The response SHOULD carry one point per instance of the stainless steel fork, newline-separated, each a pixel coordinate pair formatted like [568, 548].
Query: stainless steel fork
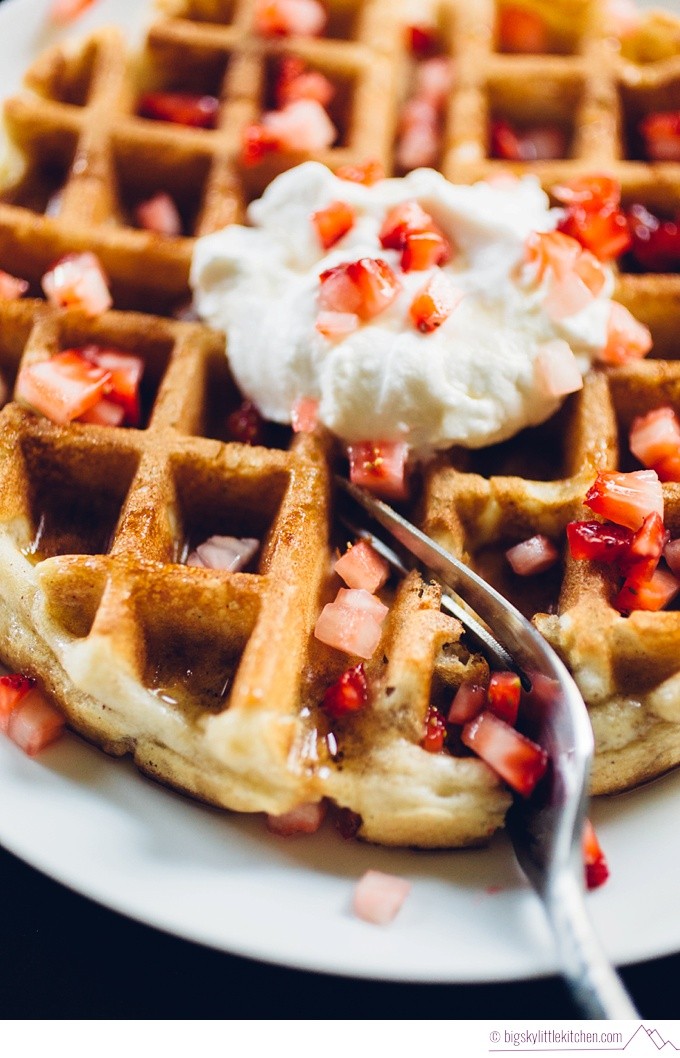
[546, 829]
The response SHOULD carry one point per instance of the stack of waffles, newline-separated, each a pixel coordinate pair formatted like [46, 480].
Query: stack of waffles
[213, 680]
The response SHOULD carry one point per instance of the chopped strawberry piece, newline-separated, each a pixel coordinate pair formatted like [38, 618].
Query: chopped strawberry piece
[379, 467]
[12, 689]
[78, 281]
[626, 499]
[655, 242]
[422, 39]
[434, 79]
[503, 696]
[556, 369]
[104, 413]
[661, 135]
[337, 324]
[435, 731]
[348, 628]
[468, 702]
[289, 18]
[349, 693]
[434, 303]
[627, 338]
[11, 287]
[647, 594]
[594, 861]
[366, 173]
[518, 760]
[34, 723]
[63, 11]
[360, 599]
[646, 547]
[302, 125]
[533, 143]
[592, 193]
[256, 143]
[365, 287]
[532, 556]
[598, 542]
[521, 31]
[655, 436]
[418, 144]
[575, 276]
[671, 553]
[605, 233]
[333, 222]
[668, 467]
[378, 897]
[423, 250]
[295, 81]
[304, 819]
[362, 567]
[245, 425]
[180, 108]
[305, 415]
[159, 214]
[126, 372]
[231, 553]
[63, 387]
[404, 219]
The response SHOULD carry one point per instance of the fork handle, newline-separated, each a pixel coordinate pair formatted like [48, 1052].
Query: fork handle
[593, 982]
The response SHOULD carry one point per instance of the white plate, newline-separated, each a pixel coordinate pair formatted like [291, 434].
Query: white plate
[99, 827]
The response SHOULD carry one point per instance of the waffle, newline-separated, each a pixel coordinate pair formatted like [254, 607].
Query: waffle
[107, 614]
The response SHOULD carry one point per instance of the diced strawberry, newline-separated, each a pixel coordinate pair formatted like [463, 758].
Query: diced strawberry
[627, 338]
[421, 39]
[63, 387]
[605, 233]
[434, 303]
[646, 547]
[63, 11]
[379, 467]
[671, 553]
[378, 897]
[656, 242]
[12, 689]
[349, 693]
[402, 220]
[423, 250]
[366, 173]
[468, 702]
[530, 144]
[256, 143]
[333, 222]
[126, 372]
[365, 287]
[594, 193]
[594, 860]
[230, 553]
[304, 819]
[34, 723]
[180, 108]
[655, 435]
[302, 125]
[295, 81]
[532, 556]
[521, 31]
[661, 135]
[245, 425]
[336, 324]
[159, 214]
[305, 415]
[556, 369]
[435, 731]
[668, 467]
[518, 760]
[503, 696]
[360, 599]
[104, 413]
[289, 18]
[575, 276]
[349, 629]
[362, 567]
[626, 499]
[598, 541]
[418, 144]
[433, 80]
[647, 594]
[78, 281]
[11, 287]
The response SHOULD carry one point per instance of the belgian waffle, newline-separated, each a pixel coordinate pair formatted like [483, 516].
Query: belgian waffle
[106, 613]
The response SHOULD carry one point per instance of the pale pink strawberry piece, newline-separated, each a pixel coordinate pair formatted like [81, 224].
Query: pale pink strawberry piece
[231, 553]
[289, 18]
[534, 555]
[518, 760]
[379, 467]
[434, 303]
[104, 413]
[337, 324]
[651, 594]
[529, 144]
[655, 436]
[468, 702]
[159, 214]
[300, 126]
[671, 553]
[305, 415]
[367, 173]
[365, 287]
[418, 144]
[11, 287]
[78, 281]
[360, 599]
[348, 628]
[13, 688]
[378, 897]
[63, 387]
[626, 499]
[304, 819]
[575, 275]
[627, 338]
[362, 567]
[556, 369]
[34, 723]
[434, 80]
[63, 11]
[661, 133]
[296, 81]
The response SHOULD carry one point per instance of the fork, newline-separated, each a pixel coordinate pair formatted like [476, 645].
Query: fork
[546, 829]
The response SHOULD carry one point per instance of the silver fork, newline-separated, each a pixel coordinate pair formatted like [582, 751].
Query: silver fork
[546, 829]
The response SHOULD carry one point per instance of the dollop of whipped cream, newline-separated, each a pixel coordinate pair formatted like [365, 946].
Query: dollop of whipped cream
[473, 382]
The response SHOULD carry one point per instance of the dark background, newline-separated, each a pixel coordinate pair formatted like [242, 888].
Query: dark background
[62, 956]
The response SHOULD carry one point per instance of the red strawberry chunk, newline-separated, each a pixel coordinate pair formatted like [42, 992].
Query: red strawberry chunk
[647, 594]
[303, 819]
[12, 689]
[434, 303]
[362, 567]
[63, 387]
[289, 18]
[159, 214]
[180, 108]
[407, 227]
[605, 233]
[574, 275]
[423, 250]
[78, 281]
[422, 39]
[661, 135]
[655, 436]
[245, 424]
[627, 338]
[379, 467]
[11, 287]
[626, 499]
[594, 860]
[366, 173]
[257, 142]
[593, 193]
[530, 144]
[503, 696]
[647, 546]
[655, 242]
[126, 372]
[598, 541]
[532, 556]
[378, 897]
[34, 723]
[518, 760]
[403, 219]
[302, 125]
[468, 702]
[349, 693]
[365, 287]
[333, 222]
[435, 731]
[296, 81]
[520, 31]
[668, 467]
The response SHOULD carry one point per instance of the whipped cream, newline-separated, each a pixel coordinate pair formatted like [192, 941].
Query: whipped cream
[471, 382]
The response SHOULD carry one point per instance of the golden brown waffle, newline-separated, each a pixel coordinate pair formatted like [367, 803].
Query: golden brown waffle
[262, 743]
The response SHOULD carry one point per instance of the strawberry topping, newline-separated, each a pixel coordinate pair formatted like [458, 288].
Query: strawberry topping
[362, 567]
[520, 31]
[594, 217]
[296, 81]
[245, 424]
[518, 760]
[435, 731]
[532, 556]
[289, 18]
[661, 135]
[180, 108]
[655, 441]
[366, 173]
[434, 303]
[655, 242]
[626, 499]
[349, 694]
[594, 861]
[333, 222]
[379, 467]
[502, 696]
[365, 287]
[533, 143]
[78, 281]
